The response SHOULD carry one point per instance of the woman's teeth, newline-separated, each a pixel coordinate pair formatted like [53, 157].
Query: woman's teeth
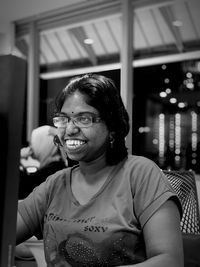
[74, 143]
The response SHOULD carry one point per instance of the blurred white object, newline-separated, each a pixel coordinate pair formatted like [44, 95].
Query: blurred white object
[37, 249]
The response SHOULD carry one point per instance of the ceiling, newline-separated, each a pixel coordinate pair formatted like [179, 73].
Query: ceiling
[19, 9]
[160, 28]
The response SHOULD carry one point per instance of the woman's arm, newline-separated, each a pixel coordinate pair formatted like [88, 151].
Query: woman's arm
[22, 231]
[163, 238]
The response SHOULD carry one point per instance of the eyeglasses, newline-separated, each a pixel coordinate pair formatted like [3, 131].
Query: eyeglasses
[82, 121]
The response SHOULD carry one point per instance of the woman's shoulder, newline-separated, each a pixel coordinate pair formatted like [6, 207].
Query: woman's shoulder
[140, 162]
[58, 181]
[140, 169]
[59, 175]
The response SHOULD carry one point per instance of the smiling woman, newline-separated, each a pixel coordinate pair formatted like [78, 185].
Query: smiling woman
[86, 139]
[100, 99]
[111, 209]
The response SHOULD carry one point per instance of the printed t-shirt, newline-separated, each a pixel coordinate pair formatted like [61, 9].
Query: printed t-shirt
[106, 231]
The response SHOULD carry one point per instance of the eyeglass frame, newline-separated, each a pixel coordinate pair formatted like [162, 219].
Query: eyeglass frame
[94, 118]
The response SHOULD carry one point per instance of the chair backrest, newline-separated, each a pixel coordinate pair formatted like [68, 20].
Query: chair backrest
[184, 184]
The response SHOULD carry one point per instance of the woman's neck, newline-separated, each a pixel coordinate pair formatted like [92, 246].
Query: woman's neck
[97, 167]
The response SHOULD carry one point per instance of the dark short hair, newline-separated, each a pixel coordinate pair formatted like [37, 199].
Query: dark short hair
[102, 94]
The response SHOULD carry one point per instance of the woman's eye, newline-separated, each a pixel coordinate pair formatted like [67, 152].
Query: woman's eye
[84, 119]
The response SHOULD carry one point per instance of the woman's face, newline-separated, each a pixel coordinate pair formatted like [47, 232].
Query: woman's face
[83, 144]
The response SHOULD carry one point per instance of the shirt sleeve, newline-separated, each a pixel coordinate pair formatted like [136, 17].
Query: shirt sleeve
[152, 190]
[34, 207]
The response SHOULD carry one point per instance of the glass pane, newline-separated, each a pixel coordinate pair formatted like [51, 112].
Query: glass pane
[166, 114]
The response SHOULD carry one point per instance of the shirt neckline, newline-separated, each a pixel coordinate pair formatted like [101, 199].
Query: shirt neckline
[107, 181]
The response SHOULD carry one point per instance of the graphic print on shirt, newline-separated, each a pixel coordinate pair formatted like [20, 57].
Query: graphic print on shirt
[85, 242]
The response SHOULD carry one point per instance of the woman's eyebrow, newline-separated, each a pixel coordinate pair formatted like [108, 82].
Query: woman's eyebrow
[78, 113]
[60, 114]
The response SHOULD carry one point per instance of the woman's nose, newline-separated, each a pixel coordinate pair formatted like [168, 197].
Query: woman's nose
[71, 128]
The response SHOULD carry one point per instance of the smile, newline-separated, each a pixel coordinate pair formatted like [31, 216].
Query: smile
[73, 144]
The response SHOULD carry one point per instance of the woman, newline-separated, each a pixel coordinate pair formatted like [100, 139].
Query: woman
[112, 209]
